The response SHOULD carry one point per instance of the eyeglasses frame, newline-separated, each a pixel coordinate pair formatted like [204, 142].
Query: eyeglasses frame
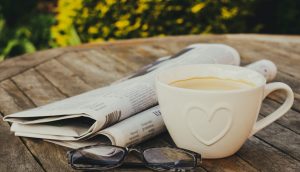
[140, 151]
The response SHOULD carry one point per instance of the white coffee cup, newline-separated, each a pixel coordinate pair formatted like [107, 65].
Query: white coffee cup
[215, 123]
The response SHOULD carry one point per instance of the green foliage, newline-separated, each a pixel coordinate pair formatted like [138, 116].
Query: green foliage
[23, 29]
[96, 20]
[18, 43]
[275, 16]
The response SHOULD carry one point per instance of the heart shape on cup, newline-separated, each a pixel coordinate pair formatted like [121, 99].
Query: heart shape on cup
[209, 126]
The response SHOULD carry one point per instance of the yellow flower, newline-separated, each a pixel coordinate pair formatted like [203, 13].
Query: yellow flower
[125, 17]
[110, 2]
[144, 1]
[76, 3]
[103, 8]
[54, 31]
[144, 34]
[227, 14]
[118, 33]
[142, 7]
[136, 25]
[105, 31]
[66, 11]
[70, 12]
[92, 30]
[144, 27]
[64, 19]
[122, 24]
[85, 13]
[98, 40]
[179, 21]
[99, 6]
[61, 40]
[63, 26]
[196, 8]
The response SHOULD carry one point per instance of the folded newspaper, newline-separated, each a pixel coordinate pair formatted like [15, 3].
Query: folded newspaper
[123, 113]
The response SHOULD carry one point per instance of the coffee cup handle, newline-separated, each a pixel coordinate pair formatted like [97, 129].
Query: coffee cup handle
[280, 111]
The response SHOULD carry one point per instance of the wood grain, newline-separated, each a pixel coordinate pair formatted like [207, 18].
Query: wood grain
[14, 154]
[37, 88]
[61, 77]
[294, 83]
[11, 67]
[282, 138]
[264, 157]
[85, 69]
[43, 77]
[108, 63]
[16, 97]
[12, 99]
[51, 157]
[233, 163]
[290, 120]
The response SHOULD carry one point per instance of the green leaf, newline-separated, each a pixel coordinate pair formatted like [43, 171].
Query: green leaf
[28, 46]
[9, 46]
[24, 46]
[74, 39]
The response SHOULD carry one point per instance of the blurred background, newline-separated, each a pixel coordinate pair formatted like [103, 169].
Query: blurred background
[31, 25]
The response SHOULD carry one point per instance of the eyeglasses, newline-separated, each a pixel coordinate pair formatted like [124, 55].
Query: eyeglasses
[104, 157]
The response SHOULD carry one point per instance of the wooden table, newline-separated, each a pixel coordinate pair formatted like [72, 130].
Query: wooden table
[36, 79]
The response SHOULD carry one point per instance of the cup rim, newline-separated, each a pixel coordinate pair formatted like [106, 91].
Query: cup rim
[158, 79]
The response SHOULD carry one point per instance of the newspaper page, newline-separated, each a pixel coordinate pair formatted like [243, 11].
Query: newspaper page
[148, 123]
[130, 131]
[82, 116]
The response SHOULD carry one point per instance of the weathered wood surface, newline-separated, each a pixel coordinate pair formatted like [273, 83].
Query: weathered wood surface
[36, 79]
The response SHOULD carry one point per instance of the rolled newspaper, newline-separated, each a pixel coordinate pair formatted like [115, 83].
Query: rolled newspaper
[83, 116]
[265, 67]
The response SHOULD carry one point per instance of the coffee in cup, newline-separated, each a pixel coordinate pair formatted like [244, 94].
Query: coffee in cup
[212, 109]
[211, 83]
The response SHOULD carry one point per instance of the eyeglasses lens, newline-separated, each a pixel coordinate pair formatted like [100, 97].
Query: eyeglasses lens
[169, 158]
[98, 156]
